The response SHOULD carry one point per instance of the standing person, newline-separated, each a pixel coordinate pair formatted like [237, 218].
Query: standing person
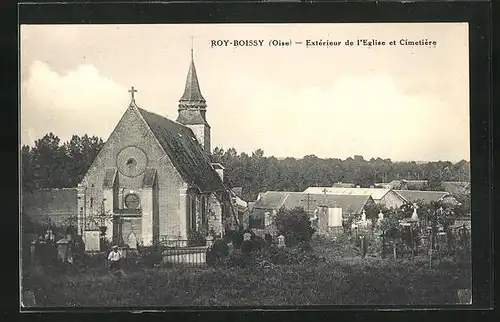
[114, 258]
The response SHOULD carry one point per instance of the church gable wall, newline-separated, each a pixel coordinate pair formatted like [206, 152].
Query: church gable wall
[132, 131]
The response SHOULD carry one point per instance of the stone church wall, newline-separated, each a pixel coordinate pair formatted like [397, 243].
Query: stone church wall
[132, 131]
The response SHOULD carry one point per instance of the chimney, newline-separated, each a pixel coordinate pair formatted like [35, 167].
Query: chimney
[219, 169]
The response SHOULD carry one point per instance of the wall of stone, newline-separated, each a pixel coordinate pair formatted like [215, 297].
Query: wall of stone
[131, 130]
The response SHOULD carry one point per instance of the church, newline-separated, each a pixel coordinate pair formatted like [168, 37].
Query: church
[154, 179]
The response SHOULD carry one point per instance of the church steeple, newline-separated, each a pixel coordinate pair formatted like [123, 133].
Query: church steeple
[192, 108]
[192, 97]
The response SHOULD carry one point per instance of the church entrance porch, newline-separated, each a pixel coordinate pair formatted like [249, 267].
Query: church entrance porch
[127, 231]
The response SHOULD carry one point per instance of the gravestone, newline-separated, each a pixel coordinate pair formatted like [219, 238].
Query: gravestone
[92, 241]
[132, 241]
[281, 241]
[380, 217]
[247, 236]
[210, 241]
[62, 250]
[268, 238]
[246, 246]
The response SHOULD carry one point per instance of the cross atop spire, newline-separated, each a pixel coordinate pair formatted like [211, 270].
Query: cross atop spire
[192, 47]
[132, 91]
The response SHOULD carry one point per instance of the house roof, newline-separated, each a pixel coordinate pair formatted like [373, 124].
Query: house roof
[343, 185]
[277, 199]
[456, 187]
[427, 196]
[376, 193]
[453, 187]
[182, 147]
[270, 199]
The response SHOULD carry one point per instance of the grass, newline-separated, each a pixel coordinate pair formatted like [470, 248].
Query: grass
[367, 282]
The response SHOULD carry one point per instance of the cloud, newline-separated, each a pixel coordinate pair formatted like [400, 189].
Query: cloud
[78, 101]
[370, 116]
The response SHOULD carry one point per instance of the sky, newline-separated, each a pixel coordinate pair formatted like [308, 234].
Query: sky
[398, 102]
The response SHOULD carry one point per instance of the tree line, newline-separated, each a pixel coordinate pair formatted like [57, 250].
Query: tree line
[257, 173]
[50, 163]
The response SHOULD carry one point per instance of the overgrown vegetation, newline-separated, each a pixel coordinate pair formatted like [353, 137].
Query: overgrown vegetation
[367, 283]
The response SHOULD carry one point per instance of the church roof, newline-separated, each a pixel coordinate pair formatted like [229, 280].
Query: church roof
[192, 94]
[182, 147]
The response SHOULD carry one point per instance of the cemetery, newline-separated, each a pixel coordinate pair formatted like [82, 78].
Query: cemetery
[381, 261]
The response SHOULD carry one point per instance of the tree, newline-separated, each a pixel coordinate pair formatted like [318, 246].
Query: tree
[294, 225]
[48, 163]
[80, 152]
[27, 177]
[435, 182]
[51, 165]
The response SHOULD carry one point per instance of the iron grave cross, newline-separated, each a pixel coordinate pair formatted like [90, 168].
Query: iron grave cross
[308, 200]
[132, 91]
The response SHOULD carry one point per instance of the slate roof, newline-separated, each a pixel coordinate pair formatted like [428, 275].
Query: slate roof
[192, 94]
[376, 193]
[456, 187]
[270, 199]
[187, 155]
[277, 199]
[426, 196]
[343, 185]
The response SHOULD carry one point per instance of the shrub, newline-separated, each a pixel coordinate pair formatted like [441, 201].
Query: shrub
[196, 238]
[151, 256]
[286, 255]
[237, 239]
[218, 252]
[294, 225]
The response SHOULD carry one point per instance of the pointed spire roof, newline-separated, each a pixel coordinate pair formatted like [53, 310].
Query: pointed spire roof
[192, 97]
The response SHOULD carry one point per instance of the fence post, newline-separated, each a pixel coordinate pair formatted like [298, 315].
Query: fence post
[363, 251]
[394, 249]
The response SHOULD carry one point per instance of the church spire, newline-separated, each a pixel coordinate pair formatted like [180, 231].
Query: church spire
[192, 97]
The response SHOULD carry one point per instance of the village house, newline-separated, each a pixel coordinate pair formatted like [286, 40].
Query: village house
[427, 196]
[327, 210]
[452, 187]
[153, 180]
[386, 197]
